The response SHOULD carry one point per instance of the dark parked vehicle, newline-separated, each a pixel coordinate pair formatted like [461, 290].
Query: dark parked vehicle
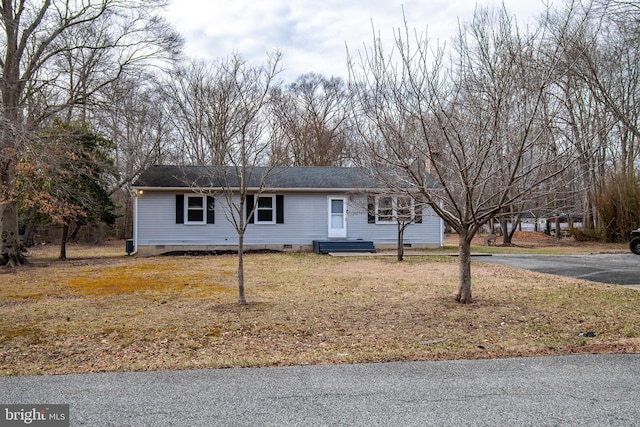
[634, 243]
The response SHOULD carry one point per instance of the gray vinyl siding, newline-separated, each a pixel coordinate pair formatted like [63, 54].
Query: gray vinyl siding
[305, 220]
[430, 231]
[157, 223]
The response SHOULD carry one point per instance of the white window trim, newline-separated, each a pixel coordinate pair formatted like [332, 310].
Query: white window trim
[186, 209]
[273, 209]
[394, 208]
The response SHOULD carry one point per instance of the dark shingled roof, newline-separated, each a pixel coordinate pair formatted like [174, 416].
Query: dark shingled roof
[312, 177]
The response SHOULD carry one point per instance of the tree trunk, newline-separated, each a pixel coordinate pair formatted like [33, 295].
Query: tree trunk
[63, 242]
[508, 235]
[464, 291]
[10, 248]
[587, 216]
[29, 236]
[11, 87]
[400, 242]
[241, 298]
[73, 235]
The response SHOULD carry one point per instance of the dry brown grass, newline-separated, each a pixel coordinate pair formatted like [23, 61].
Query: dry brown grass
[102, 311]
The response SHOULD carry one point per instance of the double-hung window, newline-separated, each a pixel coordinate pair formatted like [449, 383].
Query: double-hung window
[393, 209]
[195, 209]
[266, 210]
[384, 209]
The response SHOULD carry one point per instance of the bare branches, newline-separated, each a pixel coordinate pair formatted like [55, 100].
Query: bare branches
[56, 55]
[221, 115]
[313, 117]
[477, 123]
[598, 91]
[220, 111]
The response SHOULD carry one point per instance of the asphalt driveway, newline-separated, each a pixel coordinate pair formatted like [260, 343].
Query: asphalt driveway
[615, 269]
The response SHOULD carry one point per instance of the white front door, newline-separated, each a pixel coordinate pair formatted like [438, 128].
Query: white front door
[337, 217]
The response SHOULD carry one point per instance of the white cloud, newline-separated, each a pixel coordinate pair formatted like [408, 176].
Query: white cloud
[312, 35]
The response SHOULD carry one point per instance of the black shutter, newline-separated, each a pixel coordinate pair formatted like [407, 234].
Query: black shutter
[371, 209]
[249, 208]
[279, 209]
[179, 208]
[211, 213]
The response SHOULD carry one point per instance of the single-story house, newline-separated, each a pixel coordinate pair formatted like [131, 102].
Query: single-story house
[181, 208]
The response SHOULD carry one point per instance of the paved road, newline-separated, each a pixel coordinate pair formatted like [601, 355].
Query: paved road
[617, 269]
[585, 390]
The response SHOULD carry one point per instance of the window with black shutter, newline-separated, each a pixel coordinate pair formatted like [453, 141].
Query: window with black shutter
[195, 209]
[268, 209]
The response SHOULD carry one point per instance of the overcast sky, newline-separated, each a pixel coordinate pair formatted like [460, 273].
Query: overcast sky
[312, 34]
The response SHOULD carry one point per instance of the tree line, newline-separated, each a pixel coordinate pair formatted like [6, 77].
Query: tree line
[510, 119]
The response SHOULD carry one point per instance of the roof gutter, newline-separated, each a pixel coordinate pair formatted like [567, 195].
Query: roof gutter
[265, 189]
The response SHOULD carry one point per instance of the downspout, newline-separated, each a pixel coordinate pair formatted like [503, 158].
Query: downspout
[442, 227]
[135, 223]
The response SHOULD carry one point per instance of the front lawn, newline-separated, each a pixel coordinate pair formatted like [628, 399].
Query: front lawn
[103, 311]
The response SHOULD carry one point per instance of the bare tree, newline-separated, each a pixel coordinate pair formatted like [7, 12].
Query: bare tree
[38, 39]
[599, 89]
[402, 209]
[204, 98]
[133, 113]
[312, 115]
[611, 73]
[232, 145]
[478, 123]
